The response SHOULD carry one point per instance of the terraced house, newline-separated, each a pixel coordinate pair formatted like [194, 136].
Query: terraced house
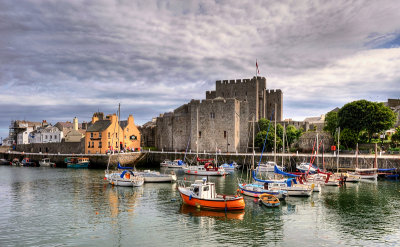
[108, 133]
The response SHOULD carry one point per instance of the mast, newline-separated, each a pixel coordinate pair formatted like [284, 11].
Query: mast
[357, 156]
[316, 152]
[283, 148]
[119, 125]
[337, 159]
[275, 137]
[376, 157]
[323, 161]
[252, 161]
[197, 135]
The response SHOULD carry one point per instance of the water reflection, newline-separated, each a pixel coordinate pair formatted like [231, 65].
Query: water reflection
[220, 215]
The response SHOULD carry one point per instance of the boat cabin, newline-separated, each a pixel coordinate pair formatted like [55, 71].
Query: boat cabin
[203, 189]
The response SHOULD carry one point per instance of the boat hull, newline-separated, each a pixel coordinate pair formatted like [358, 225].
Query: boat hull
[204, 173]
[84, 165]
[256, 192]
[163, 179]
[235, 203]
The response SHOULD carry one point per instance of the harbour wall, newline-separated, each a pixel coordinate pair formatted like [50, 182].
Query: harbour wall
[346, 161]
[96, 160]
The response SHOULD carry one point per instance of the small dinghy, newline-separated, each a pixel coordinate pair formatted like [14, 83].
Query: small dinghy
[269, 200]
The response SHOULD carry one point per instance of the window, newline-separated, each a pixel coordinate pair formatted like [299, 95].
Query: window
[99, 144]
[55, 137]
[116, 135]
[212, 115]
[51, 137]
[225, 134]
[108, 136]
[109, 145]
[206, 188]
[88, 145]
[92, 144]
[99, 135]
[45, 137]
[116, 144]
[199, 134]
[91, 135]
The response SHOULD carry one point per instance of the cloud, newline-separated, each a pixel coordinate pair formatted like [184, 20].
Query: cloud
[157, 55]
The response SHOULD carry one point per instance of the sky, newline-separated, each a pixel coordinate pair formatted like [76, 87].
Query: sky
[61, 59]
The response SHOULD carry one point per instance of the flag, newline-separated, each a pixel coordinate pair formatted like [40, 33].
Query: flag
[258, 71]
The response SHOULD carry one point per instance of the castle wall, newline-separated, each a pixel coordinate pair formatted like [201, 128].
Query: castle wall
[274, 96]
[218, 125]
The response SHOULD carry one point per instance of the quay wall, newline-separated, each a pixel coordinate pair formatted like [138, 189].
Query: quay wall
[346, 161]
[96, 160]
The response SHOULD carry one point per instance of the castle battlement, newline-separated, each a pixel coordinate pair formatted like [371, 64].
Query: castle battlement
[273, 91]
[237, 81]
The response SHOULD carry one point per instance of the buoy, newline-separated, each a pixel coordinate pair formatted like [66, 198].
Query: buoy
[105, 178]
[241, 191]
[184, 178]
[97, 212]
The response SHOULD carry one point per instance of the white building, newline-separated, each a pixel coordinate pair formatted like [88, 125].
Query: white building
[23, 137]
[46, 135]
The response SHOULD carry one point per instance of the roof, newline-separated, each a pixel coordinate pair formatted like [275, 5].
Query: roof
[68, 125]
[100, 125]
[123, 124]
[73, 133]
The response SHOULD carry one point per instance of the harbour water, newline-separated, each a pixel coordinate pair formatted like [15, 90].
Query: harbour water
[67, 207]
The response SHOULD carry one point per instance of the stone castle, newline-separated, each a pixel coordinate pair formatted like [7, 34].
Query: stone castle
[220, 122]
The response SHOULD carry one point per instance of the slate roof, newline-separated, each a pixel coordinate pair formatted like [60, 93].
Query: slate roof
[123, 124]
[99, 126]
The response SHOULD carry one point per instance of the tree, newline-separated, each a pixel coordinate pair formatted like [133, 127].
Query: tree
[348, 138]
[331, 122]
[379, 118]
[292, 134]
[363, 115]
[353, 115]
[396, 136]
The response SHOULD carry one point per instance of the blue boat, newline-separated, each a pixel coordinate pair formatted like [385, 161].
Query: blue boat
[77, 162]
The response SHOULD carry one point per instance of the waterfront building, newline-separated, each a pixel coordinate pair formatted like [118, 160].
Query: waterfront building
[104, 133]
[48, 134]
[19, 130]
[73, 132]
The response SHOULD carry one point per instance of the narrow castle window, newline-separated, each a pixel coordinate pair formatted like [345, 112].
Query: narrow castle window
[199, 134]
[225, 134]
[212, 115]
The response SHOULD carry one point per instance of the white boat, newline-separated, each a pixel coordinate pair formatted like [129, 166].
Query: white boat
[208, 169]
[173, 164]
[156, 177]
[125, 178]
[304, 167]
[268, 167]
[257, 189]
[294, 190]
[230, 167]
[47, 162]
[368, 173]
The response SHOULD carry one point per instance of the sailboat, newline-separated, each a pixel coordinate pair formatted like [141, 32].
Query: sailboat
[367, 173]
[204, 167]
[123, 176]
[258, 187]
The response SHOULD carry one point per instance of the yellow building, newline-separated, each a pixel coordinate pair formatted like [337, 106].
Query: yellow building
[105, 134]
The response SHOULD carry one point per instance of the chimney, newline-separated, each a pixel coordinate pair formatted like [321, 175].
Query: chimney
[75, 123]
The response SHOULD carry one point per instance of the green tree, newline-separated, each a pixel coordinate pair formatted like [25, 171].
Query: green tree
[331, 122]
[348, 138]
[292, 134]
[353, 115]
[396, 136]
[361, 115]
[379, 118]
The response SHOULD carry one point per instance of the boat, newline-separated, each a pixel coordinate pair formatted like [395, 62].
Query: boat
[230, 167]
[255, 189]
[5, 162]
[173, 164]
[269, 200]
[16, 162]
[27, 162]
[307, 167]
[208, 169]
[202, 194]
[388, 173]
[77, 162]
[47, 162]
[124, 178]
[268, 167]
[367, 173]
[156, 177]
